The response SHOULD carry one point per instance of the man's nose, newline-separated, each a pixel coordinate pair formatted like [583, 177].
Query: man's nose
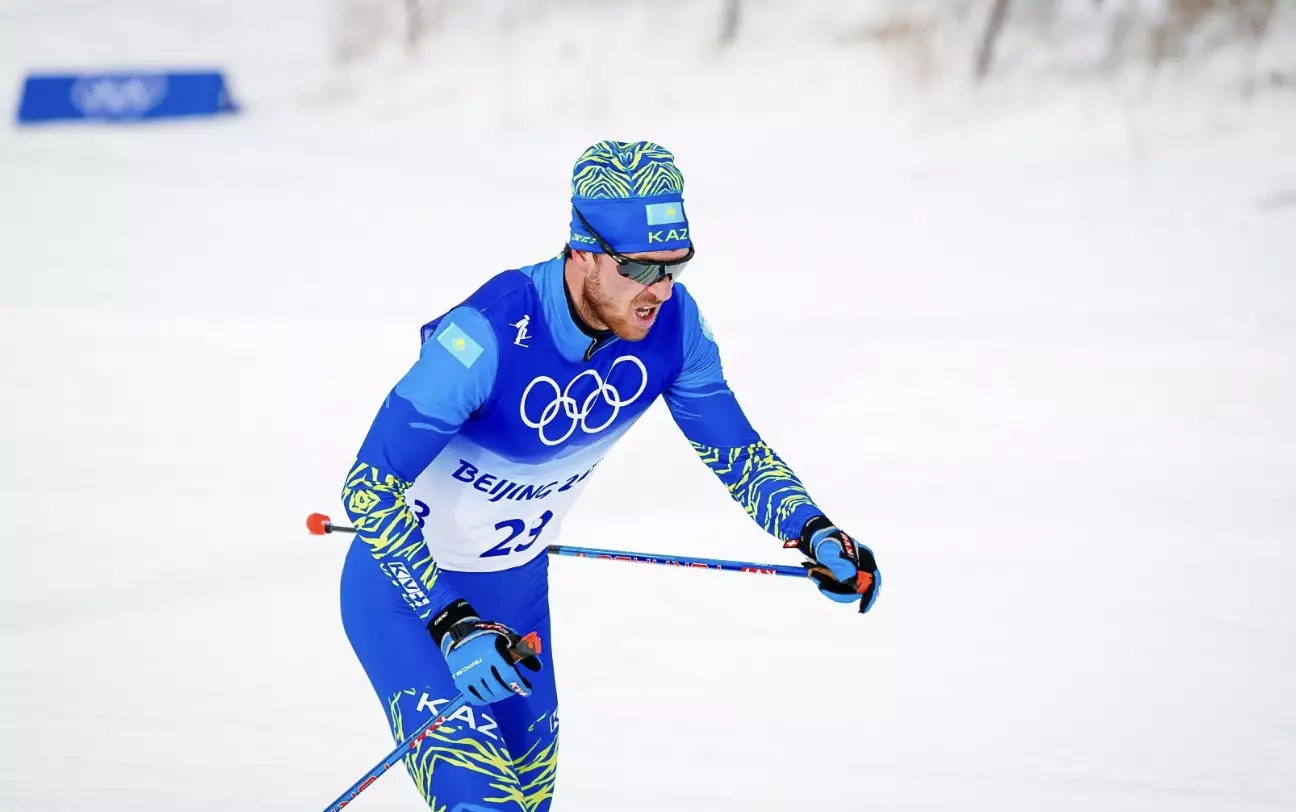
[662, 288]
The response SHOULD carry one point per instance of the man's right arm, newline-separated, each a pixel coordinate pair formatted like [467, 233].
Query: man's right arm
[452, 377]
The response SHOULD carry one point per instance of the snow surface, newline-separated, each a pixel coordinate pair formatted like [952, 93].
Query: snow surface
[1039, 352]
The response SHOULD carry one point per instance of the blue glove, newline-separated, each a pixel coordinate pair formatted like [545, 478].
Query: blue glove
[482, 655]
[844, 570]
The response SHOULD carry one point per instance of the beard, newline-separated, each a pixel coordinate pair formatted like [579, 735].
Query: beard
[620, 320]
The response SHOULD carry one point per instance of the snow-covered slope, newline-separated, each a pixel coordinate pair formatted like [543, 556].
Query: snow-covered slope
[1040, 356]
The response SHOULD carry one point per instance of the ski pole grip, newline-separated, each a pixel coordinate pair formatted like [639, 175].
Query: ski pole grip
[528, 646]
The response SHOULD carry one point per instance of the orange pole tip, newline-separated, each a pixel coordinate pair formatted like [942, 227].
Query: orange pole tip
[318, 524]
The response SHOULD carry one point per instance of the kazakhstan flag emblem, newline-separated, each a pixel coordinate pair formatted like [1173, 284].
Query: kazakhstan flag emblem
[664, 214]
[460, 345]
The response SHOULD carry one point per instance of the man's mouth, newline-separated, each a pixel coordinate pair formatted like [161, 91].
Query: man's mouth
[646, 313]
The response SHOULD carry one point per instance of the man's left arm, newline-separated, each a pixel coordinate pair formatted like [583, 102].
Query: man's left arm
[706, 410]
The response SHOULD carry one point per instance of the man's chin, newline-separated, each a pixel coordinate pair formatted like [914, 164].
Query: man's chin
[631, 332]
[634, 327]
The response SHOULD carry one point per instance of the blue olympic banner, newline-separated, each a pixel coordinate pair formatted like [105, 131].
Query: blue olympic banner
[124, 96]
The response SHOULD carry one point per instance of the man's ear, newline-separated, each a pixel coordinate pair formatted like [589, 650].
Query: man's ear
[585, 261]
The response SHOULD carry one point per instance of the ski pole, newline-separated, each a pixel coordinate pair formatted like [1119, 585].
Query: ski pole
[677, 560]
[528, 646]
[320, 525]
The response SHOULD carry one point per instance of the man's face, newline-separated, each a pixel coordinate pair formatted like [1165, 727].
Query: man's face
[625, 306]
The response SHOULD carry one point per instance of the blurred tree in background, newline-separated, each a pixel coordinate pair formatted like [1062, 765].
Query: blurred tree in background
[979, 39]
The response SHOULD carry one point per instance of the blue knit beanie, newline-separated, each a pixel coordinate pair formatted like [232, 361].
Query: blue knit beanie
[632, 194]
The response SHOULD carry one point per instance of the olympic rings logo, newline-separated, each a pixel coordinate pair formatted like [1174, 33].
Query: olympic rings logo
[562, 402]
[118, 96]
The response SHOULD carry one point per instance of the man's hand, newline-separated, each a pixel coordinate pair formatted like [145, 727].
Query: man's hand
[480, 655]
[843, 569]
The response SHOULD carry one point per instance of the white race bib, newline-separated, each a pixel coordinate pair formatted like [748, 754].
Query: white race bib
[482, 513]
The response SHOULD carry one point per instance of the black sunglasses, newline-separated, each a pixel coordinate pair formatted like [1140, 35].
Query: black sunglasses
[642, 271]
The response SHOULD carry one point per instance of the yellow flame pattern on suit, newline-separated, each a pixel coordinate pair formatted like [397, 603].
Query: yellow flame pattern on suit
[619, 169]
[451, 747]
[760, 481]
[537, 769]
[375, 503]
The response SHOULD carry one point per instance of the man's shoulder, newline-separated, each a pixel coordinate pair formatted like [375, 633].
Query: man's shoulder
[686, 300]
[499, 291]
[496, 299]
[692, 324]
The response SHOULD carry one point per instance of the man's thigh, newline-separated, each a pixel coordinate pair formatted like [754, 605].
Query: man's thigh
[500, 757]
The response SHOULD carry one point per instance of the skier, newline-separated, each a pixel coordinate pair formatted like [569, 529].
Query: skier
[481, 448]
